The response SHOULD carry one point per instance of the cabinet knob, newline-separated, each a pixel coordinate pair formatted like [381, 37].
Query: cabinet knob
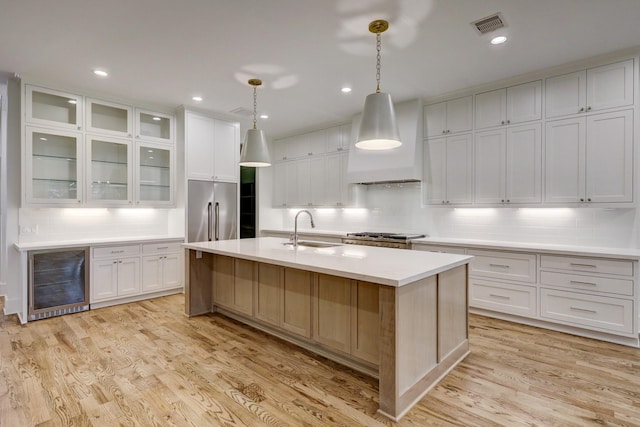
[582, 200]
[581, 110]
[339, 148]
[508, 201]
[502, 200]
[79, 127]
[309, 154]
[79, 201]
[502, 122]
[589, 108]
[444, 131]
[508, 121]
[588, 200]
[448, 131]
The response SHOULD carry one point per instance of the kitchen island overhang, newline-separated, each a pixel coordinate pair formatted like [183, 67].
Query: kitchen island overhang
[402, 315]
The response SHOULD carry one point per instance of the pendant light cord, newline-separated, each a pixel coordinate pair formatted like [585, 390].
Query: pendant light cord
[378, 49]
[255, 106]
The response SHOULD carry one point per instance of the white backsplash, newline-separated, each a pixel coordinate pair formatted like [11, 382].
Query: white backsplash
[397, 208]
[51, 224]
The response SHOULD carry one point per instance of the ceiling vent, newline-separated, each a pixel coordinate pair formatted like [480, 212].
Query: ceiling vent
[242, 111]
[490, 23]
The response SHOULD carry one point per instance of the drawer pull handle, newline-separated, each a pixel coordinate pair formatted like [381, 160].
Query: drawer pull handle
[499, 265]
[499, 296]
[575, 282]
[116, 252]
[576, 264]
[163, 247]
[583, 310]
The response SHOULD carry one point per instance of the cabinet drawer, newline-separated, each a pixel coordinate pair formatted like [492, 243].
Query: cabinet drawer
[438, 248]
[116, 251]
[592, 265]
[505, 298]
[503, 265]
[587, 283]
[162, 247]
[594, 312]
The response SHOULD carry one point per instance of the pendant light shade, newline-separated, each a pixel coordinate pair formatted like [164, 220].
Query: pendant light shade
[255, 152]
[378, 129]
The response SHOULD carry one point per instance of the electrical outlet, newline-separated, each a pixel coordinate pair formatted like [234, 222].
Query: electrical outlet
[25, 229]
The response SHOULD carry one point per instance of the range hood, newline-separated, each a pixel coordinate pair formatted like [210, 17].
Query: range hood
[402, 164]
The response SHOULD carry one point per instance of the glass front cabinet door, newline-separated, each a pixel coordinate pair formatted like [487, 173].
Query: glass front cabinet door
[53, 166]
[53, 108]
[154, 174]
[155, 127]
[109, 172]
[109, 118]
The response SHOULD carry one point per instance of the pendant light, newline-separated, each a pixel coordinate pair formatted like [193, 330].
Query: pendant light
[255, 152]
[378, 129]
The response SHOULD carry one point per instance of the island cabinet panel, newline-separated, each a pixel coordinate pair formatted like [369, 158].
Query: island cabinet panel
[332, 312]
[233, 283]
[269, 293]
[296, 302]
[365, 319]
[198, 282]
[452, 310]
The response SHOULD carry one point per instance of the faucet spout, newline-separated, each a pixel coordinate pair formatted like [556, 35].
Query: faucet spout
[295, 226]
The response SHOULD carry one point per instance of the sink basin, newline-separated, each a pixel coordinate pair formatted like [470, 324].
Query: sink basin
[313, 244]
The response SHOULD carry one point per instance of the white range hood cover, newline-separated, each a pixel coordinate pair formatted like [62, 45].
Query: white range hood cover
[400, 164]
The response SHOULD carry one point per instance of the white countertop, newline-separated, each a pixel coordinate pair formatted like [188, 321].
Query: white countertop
[597, 251]
[31, 246]
[391, 267]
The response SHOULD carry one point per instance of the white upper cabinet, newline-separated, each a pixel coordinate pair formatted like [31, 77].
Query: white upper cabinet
[154, 174]
[590, 159]
[154, 127]
[53, 167]
[338, 138]
[508, 165]
[212, 148]
[279, 185]
[109, 171]
[109, 118]
[599, 88]
[512, 105]
[279, 149]
[448, 166]
[50, 107]
[448, 117]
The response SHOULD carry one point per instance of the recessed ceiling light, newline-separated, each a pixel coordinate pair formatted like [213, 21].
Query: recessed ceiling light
[498, 40]
[264, 116]
[100, 73]
[197, 98]
[346, 89]
[43, 138]
[156, 118]
[72, 101]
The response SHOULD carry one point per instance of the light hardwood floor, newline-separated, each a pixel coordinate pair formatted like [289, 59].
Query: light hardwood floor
[146, 364]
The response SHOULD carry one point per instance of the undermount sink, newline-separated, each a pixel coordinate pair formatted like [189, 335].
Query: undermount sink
[313, 244]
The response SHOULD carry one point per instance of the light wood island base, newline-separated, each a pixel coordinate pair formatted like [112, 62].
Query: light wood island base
[408, 336]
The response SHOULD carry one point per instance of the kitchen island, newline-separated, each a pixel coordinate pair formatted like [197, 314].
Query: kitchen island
[401, 316]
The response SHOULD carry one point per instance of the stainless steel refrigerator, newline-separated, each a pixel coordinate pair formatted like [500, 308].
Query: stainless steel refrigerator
[211, 211]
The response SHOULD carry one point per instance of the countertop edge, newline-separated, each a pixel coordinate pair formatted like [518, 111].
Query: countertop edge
[93, 242]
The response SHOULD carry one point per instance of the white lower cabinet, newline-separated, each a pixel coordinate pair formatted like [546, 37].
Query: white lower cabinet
[582, 295]
[131, 272]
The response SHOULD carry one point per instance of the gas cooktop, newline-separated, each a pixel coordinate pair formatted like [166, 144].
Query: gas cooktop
[379, 235]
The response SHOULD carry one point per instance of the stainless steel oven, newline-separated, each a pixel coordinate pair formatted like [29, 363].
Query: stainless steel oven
[385, 240]
[58, 282]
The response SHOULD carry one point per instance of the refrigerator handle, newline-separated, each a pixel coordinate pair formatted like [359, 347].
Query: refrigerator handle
[209, 218]
[217, 221]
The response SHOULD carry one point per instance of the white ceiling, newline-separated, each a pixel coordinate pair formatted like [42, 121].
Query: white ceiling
[162, 52]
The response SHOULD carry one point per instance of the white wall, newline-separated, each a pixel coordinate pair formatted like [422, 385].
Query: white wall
[397, 208]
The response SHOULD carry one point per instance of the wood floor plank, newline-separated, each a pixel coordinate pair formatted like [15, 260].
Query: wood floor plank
[146, 364]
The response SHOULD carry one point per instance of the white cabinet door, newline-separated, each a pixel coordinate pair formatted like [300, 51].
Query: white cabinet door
[155, 174]
[297, 147]
[226, 150]
[279, 185]
[109, 118]
[317, 181]
[459, 169]
[151, 273]
[565, 94]
[109, 171]
[348, 190]
[279, 152]
[490, 166]
[610, 86]
[316, 142]
[199, 138]
[434, 172]
[524, 164]
[524, 102]
[459, 115]
[155, 127]
[172, 270]
[54, 167]
[338, 138]
[565, 160]
[104, 279]
[609, 157]
[333, 180]
[491, 109]
[435, 119]
[53, 108]
[128, 276]
[291, 184]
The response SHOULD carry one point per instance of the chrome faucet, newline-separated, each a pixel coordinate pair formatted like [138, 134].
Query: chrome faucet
[294, 238]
